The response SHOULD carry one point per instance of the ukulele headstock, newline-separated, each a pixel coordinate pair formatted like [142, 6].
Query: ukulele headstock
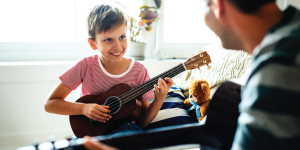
[197, 61]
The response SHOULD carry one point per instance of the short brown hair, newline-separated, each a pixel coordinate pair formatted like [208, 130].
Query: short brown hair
[104, 17]
[250, 6]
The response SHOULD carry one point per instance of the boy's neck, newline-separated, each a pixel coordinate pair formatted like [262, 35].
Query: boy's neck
[115, 68]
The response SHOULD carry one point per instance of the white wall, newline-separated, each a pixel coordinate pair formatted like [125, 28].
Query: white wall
[295, 3]
[23, 91]
[24, 88]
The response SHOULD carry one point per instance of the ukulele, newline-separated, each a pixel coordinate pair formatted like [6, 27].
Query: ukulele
[122, 100]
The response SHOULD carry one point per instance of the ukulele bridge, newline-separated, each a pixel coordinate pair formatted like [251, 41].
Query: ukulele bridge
[114, 104]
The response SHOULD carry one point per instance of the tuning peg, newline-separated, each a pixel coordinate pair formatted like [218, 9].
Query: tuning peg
[200, 51]
[192, 55]
[36, 143]
[200, 71]
[208, 67]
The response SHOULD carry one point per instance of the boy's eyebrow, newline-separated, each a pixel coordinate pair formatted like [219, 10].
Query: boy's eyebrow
[108, 36]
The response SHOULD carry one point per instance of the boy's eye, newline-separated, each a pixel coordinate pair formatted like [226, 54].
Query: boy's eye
[122, 37]
[109, 39]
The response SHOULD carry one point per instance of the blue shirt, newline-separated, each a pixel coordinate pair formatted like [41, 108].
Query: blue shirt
[270, 106]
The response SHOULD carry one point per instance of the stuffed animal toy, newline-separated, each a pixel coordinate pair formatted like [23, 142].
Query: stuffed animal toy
[199, 92]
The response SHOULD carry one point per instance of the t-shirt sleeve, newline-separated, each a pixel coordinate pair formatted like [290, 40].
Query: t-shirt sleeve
[144, 76]
[73, 77]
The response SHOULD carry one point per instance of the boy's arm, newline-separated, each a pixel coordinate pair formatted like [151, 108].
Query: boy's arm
[149, 112]
[56, 103]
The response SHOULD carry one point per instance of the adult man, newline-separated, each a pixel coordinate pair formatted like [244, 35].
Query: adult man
[269, 114]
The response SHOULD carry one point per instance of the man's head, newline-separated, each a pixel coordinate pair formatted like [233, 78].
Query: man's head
[226, 17]
[249, 6]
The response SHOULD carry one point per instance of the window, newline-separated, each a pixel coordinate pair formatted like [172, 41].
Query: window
[182, 30]
[49, 29]
[56, 29]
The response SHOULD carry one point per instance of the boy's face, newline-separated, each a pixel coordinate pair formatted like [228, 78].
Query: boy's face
[112, 44]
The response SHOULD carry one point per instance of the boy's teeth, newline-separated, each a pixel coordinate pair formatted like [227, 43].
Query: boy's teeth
[116, 53]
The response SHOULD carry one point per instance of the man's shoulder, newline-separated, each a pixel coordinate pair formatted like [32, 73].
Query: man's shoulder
[284, 37]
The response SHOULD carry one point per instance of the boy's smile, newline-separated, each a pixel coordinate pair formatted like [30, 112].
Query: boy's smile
[116, 54]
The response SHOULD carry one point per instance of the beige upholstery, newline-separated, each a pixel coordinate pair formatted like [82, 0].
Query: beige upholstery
[226, 64]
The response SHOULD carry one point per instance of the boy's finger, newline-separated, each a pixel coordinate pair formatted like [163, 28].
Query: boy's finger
[169, 81]
[98, 118]
[103, 109]
[163, 82]
[100, 115]
[156, 88]
[160, 80]
[161, 87]
[104, 114]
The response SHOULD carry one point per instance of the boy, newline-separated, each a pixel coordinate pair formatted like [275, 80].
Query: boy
[107, 27]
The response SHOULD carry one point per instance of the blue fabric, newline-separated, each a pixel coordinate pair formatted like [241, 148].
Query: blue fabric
[197, 107]
[172, 105]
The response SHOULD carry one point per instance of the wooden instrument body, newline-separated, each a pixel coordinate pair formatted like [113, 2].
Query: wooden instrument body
[82, 125]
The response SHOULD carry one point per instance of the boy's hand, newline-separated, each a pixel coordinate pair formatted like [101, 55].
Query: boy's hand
[97, 112]
[163, 88]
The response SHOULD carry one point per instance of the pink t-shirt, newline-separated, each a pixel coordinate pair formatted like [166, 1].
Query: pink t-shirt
[95, 80]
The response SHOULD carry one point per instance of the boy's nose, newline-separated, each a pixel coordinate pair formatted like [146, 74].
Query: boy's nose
[117, 45]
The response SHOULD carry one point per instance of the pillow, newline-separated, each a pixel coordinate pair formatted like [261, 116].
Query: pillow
[226, 64]
[173, 111]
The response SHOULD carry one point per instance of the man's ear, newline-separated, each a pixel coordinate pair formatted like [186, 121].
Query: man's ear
[218, 9]
[92, 44]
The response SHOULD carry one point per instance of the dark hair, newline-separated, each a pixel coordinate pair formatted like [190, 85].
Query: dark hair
[249, 6]
[104, 17]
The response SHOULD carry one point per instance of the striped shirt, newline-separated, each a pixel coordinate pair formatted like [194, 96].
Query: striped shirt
[270, 107]
[95, 80]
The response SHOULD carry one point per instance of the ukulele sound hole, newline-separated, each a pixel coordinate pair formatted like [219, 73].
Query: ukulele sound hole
[114, 104]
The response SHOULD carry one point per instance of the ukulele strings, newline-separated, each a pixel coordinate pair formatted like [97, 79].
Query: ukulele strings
[135, 95]
[152, 82]
[128, 95]
[181, 66]
[177, 70]
[149, 83]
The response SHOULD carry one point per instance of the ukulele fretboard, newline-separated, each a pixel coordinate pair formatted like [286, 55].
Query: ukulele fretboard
[148, 85]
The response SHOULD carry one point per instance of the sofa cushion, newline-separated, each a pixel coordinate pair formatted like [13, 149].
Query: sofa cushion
[226, 64]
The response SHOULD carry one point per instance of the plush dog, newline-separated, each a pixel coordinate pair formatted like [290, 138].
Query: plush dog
[199, 94]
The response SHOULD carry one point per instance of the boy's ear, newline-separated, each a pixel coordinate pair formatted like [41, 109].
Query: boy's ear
[92, 44]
